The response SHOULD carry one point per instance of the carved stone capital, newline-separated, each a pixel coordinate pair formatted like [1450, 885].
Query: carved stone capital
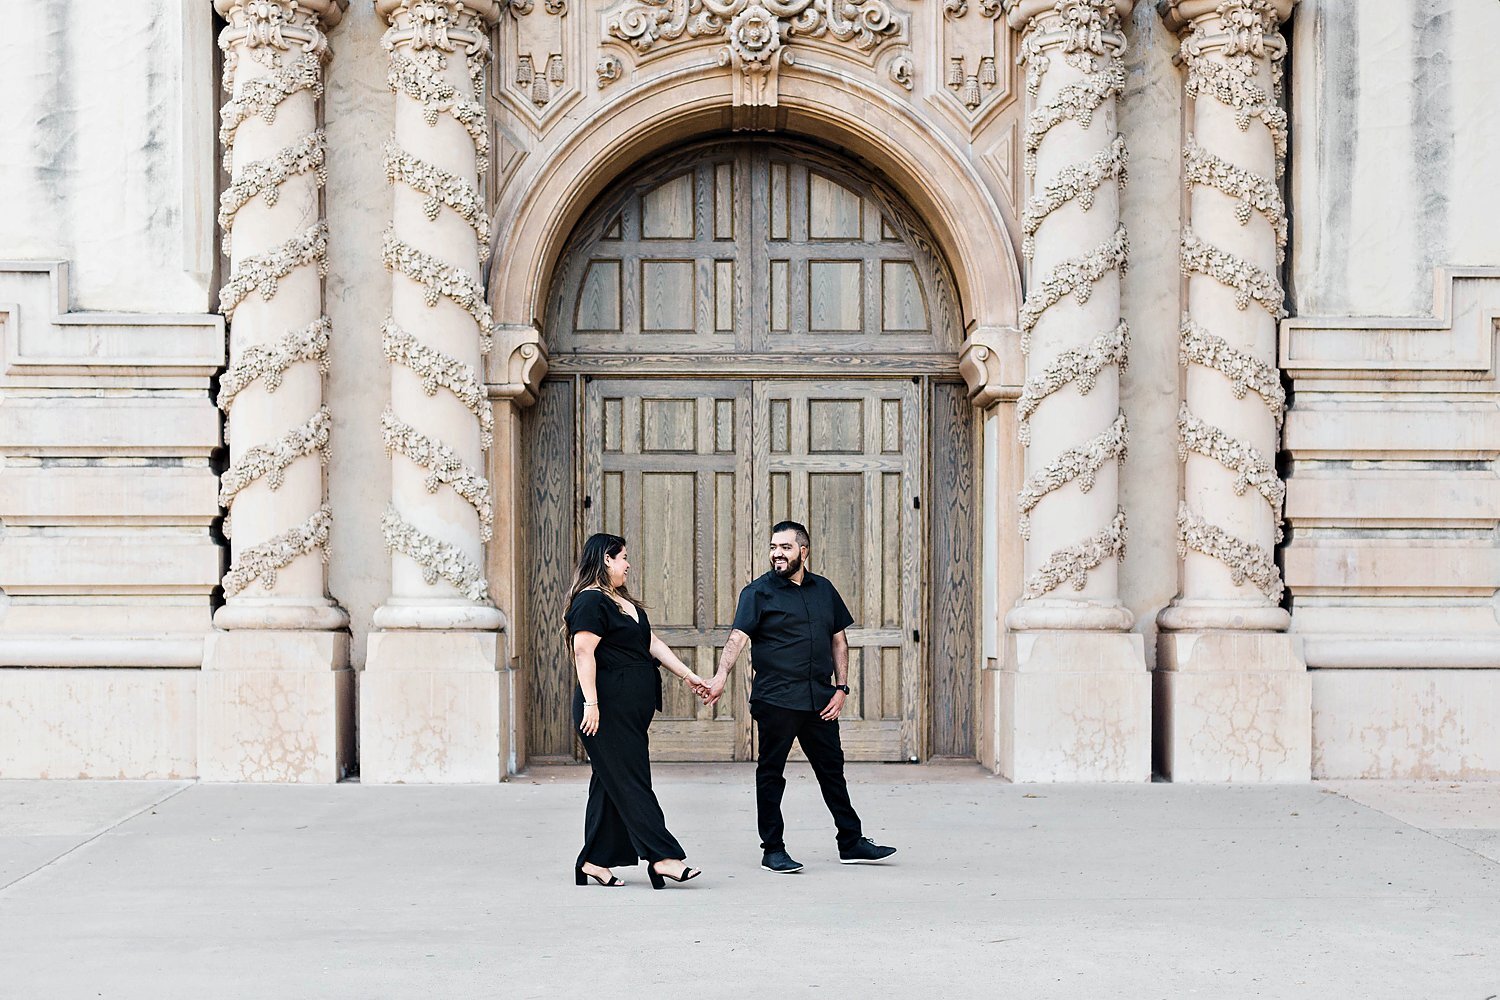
[1093, 25]
[1243, 27]
[517, 364]
[444, 25]
[991, 364]
[279, 24]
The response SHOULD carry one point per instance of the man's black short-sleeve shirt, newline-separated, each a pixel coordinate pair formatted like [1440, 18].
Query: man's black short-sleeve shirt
[791, 629]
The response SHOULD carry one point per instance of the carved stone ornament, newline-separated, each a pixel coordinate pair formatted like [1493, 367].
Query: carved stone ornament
[609, 69]
[756, 32]
[1080, 367]
[1082, 463]
[263, 561]
[436, 558]
[1071, 564]
[443, 467]
[1246, 561]
[438, 370]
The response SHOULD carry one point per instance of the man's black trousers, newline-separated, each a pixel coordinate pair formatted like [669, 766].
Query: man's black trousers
[778, 727]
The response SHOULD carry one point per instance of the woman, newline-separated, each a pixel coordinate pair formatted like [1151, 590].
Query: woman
[615, 653]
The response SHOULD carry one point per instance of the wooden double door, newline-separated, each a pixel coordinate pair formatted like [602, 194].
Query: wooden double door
[694, 474]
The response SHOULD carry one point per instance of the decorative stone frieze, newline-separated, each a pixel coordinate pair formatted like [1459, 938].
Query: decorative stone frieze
[440, 326]
[757, 33]
[1071, 330]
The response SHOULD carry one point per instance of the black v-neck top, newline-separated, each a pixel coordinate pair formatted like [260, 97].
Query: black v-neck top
[623, 641]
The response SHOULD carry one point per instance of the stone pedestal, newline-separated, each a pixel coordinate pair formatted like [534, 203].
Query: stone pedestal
[1232, 706]
[435, 707]
[1074, 706]
[275, 706]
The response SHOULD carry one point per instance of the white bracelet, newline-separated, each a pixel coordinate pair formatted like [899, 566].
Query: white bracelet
[591, 704]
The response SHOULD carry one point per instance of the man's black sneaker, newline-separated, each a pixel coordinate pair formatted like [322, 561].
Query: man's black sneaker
[864, 852]
[780, 862]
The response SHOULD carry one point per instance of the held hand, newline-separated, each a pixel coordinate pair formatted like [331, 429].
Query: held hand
[590, 724]
[715, 689]
[833, 708]
[698, 684]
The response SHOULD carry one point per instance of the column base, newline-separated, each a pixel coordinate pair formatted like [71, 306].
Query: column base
[435, 708]
[1223, 616]
[1051, 615]
[281, 614]
[1074, 706]
[438, 616]
[1232, 706]
[275, 705]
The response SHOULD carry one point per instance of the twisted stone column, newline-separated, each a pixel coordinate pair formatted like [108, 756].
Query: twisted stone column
[439, 424]
[1233, 696]
[276, 239]
[435, 700]
[1074, 690]
[1071, 332]
[275, 693]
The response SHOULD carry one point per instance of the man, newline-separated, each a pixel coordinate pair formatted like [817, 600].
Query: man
[795, 622]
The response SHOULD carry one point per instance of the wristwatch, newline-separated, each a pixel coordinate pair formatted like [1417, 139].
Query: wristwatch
[841, 687]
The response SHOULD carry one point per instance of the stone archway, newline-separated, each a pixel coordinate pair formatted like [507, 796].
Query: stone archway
[747, 330]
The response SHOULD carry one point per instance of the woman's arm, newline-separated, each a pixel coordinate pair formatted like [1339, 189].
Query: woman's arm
[584, 644]
[663, 654]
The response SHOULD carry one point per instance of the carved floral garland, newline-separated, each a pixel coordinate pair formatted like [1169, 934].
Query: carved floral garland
[1078, 181]
[1087, 33]
[1082, 463]
[263, 272]
[271, 461]
[1076, 275]
[1245, 373]
[263, 95]
[267, 363]
[436, 557]
[1247, 463]
[436, 369]
[1246, 561]
[1250, 191]
[1076, 365]
[262, 562]
[1229, 83]
[443, 466]
[418, 79]
[440, 279]
[441, 188]
[265, 177]
[1072, 563]
[1250, 283]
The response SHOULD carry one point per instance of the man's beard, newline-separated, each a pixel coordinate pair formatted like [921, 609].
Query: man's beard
[793, 565]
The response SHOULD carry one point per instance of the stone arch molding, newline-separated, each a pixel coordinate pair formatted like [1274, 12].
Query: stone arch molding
[541, 206]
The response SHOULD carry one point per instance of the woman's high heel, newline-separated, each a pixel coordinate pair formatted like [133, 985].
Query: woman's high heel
[581, 877]
[659, 879]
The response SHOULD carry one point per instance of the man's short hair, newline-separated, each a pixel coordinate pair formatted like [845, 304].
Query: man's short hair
[802, 536]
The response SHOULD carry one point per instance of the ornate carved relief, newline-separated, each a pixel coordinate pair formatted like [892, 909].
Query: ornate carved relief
[758, 34]
[539, 67]
[975, 58]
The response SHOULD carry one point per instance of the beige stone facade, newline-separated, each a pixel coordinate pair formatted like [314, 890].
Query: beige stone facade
[311, 311]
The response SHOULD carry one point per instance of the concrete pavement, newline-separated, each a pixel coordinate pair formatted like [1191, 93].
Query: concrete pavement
[167, 889]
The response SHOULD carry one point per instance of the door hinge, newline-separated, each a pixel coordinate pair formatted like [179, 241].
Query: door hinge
[588, 502]
[916, 503]
[916, 635]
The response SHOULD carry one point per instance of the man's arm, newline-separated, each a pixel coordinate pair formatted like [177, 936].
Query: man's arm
[840, 676]
[733, 646]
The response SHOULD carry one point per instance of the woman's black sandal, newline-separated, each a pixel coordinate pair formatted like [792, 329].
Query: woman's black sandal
[581, 877]
[658, 879]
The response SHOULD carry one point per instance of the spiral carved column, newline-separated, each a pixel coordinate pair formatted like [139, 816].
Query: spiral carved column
[282, 667]
[432, 703]
[1228, 663]
[1074, 690]
[1074, 339]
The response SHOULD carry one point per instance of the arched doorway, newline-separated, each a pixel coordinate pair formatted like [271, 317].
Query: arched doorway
[742, 331]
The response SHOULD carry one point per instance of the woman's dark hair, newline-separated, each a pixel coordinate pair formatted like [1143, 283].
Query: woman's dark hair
[592, 572]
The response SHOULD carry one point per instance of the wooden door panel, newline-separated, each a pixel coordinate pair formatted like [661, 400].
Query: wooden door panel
[662, 468]
[844, 459]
